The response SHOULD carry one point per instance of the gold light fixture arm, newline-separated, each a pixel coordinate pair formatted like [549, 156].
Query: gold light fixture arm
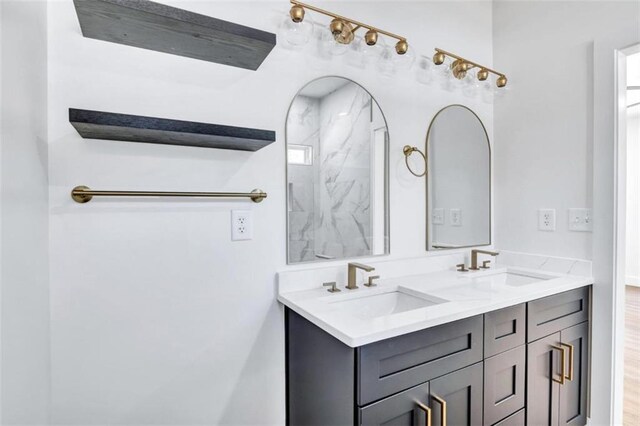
[356, 23]
[408, 150]
[84, 194]
[502, 78]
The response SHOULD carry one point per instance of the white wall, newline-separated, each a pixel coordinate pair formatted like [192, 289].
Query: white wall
[555, 142]
[24, 214]
[633, 196]
[156, 316]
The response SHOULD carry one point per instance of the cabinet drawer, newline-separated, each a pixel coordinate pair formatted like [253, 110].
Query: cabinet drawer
[395, 364]
[554, 313]
[399, 410]
[516, 419]
[504, 329]
[504, 384]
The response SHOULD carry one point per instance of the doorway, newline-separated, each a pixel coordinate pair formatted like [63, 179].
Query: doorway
[627, 239]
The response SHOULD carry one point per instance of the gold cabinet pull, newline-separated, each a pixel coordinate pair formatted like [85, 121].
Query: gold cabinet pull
[443, 405]
[563, 360]
[427, 412]
[570, 347]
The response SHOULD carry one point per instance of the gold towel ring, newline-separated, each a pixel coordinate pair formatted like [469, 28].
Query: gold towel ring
[408, 150]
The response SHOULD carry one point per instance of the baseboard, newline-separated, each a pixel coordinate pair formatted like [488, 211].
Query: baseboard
[633, 280]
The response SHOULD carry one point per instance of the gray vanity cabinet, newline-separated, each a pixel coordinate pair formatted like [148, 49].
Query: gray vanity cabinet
[556, 392]
[401, 409]
[458, 396]
[504, 384]
[496, 369]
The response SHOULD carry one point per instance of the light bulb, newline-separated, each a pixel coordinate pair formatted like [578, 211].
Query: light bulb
[424, 70]
[296, 34]
[385, 63]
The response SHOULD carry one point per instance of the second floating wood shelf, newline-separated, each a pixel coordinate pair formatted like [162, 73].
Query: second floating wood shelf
[136, 128]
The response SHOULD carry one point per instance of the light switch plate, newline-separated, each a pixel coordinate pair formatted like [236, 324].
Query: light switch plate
[580, 220]
[241, 225]
[455, 216]
[547, 219]
[437, 216]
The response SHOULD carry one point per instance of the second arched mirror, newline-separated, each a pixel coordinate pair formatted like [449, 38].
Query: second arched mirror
[458, 180]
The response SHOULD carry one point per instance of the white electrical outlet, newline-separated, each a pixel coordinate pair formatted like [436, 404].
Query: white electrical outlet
[455, 217]
[437, 216]
[547, 219]
[580, 220]
[241, 225]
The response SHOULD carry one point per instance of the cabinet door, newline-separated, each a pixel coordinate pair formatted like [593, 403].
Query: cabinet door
[543, 367]
[399, 410]
[504, 387]
[458, 395]
[573, 394]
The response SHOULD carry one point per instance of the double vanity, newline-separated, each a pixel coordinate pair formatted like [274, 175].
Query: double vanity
[503, 346]
[428, 340]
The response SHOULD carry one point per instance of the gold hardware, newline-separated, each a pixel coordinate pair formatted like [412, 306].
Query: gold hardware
[485, 264]
[474, 257]
[427, 412]
[351, 273]
[439, 58]
[332, 285]
[343, 29]
[443, 404]
[570, 347]
[84, 194]
[370, 282]
[462, 267]
[461, 65]
[297, 13]
[408, 150]
[563, 360]
[401, 47]
[371, 37]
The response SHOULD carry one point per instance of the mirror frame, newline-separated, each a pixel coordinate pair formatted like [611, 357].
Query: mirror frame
[387, 193]
[428, 213]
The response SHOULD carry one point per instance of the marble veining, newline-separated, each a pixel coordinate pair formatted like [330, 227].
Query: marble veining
[330, 201]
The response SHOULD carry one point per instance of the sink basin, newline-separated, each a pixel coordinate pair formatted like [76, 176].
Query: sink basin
[512, 279]
[379, 305]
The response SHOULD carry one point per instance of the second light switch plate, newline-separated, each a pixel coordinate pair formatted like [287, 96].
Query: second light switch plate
[580, 220]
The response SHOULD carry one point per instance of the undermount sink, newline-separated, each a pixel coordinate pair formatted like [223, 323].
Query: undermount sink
[513, 279]
[379, 305]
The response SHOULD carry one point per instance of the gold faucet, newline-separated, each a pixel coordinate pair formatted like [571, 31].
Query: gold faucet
[474, 257]
[351, 273]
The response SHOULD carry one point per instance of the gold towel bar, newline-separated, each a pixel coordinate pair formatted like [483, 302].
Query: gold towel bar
[84, 194]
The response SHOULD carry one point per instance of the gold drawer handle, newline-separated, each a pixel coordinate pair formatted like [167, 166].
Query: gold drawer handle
[570, 347]
[563, 360]
[443, 404]
[427, 412]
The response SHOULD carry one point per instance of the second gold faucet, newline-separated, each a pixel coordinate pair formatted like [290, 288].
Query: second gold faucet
[351, 273]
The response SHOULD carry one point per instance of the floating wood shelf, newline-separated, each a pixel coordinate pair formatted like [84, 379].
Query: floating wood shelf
[135, 128]
[154, 26]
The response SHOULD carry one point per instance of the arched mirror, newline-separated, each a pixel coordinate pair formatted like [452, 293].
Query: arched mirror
[337, 173]
[458, 180]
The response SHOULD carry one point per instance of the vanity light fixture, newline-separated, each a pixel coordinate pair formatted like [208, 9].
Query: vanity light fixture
[460, 66]
[344, 29]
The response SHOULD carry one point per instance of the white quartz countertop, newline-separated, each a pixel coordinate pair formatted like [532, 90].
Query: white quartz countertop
[456, 295]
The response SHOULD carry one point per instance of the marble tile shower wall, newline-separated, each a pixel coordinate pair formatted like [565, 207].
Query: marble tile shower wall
[303, 128]
[336, 220]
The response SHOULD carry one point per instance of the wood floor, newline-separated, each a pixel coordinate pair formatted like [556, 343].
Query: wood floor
[632, 358]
